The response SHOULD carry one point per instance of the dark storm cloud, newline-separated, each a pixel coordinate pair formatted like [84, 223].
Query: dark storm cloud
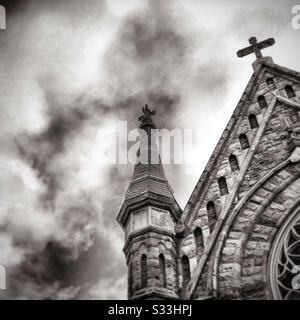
[148, 59]
[145, 57]
[47, 266]
[75, 261]
[154, 57]
[61, 265]
[40, 149]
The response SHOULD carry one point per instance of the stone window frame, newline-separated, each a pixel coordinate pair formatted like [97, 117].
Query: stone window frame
[223, 186]
[234, 163]
[162, 270]
[280, 250]
[253, 121]
[271, 83]
[185, 269]
[289, 91]
[262, 101]
[130, 278]
[144, 270]
[244, 141]
[198, 236]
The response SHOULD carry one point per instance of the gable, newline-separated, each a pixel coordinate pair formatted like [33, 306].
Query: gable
[273, 147]
[218, 165]
[254, 162]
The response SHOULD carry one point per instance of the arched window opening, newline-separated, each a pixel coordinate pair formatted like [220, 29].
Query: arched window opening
[186, 273]
[234, 165]
[144, 271]
[211, 211]
[162, 271]
[244, 141]
[223, 186]
[130, 279]
[289, 91]
[198, 238]
[262, 102]
[271, 84]
[253, 121]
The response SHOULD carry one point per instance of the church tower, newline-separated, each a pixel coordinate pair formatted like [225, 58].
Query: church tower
[148, 217]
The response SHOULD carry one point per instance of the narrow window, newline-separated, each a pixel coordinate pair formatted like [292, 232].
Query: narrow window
[289, 91]
[223, 186]
[162, 271]
[271, 84]
[144, 271]
[234, 165]
[262, 102]
[253, 121]
[211, 211]
[186, 273]
[130, 279]
[244, 141]
[198, 238]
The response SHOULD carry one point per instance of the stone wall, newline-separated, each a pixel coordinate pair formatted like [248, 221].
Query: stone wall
[153, 244]
[242, 272]
[271, 151]
[273, 148]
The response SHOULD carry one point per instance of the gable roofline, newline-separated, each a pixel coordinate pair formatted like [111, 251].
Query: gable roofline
[220, 230]
[258, 73]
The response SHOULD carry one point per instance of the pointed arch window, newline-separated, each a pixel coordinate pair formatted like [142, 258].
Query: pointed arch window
[211, 210]
[271, 84]
[262, 102]
[186, 272]
[223, 186]
[244, 141]
[289, 91]
[144, 271]
[162, 271]
[234, 164]
[198, 238]
[253, 121]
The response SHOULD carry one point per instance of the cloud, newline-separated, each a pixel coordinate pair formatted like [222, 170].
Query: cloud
[63, 90]
[72, 68]
[51, 217]
[263, 22]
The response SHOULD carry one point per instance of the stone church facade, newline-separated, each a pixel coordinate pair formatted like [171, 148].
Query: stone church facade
[238, 236]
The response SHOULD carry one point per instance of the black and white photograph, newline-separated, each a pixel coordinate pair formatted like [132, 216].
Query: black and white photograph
[150, 150]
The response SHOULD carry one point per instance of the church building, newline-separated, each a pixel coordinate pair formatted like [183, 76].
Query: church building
[238, 236]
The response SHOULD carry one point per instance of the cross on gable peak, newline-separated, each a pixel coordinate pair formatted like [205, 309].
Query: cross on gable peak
[256, 47]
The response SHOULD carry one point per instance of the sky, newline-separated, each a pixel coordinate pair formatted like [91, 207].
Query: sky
[70, 68]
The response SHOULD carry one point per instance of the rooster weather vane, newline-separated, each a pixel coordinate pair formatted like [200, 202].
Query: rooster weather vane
[146, 118]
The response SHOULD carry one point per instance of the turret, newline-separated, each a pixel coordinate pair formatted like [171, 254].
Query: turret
[148, 217]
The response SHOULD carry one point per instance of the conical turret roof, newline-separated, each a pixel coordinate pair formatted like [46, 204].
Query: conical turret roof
[149, 181]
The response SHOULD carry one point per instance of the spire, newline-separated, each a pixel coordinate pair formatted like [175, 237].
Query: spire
[149, 181]
[148, 162]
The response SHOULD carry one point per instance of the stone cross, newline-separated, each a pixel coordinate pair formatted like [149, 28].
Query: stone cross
[255, 47]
